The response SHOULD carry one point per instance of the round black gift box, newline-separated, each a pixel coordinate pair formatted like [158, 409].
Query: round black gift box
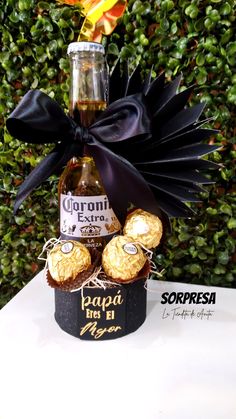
[98, 314]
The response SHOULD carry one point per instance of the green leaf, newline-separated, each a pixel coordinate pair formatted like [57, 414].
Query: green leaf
[177, 272]
[201, 76]
[202, 256]
[192, 11]
[223, 257]
[183, 237]
[44, 5]
[195, 269]
[231, 94]
[231, 223]
[225, 209]
[226, 36]
[200, 59]
[219, 270]
[218, 235]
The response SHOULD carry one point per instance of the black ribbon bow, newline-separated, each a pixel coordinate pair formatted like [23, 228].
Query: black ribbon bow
[39, 119]
[146, 146]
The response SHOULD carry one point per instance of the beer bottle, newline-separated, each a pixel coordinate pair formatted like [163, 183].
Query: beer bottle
[85, 212]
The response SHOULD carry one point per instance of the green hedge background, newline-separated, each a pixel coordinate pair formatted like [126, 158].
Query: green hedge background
[194, 37]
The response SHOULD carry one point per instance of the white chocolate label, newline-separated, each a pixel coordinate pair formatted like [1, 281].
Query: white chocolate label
[140, 227]
[87, 216]
[130, 248]
[67, 247]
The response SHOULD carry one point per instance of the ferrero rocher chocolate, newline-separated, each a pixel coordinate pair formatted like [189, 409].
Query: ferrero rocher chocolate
[66, 260]
[143, 227]
[122, 258]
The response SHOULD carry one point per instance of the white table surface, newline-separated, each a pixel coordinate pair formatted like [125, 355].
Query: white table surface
[169, 368]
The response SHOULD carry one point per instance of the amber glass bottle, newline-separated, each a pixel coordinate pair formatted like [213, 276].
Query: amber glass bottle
[85, 212]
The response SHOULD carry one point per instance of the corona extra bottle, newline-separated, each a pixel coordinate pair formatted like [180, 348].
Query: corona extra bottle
[85, 212]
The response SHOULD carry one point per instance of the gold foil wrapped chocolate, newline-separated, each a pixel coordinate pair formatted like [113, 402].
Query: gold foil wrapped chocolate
[122, 259]
[143, 227]
[68, 259]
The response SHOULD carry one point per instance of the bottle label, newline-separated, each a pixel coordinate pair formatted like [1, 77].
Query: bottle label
[87, 216]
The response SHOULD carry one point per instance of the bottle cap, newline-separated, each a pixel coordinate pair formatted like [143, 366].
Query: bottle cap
[85, 46]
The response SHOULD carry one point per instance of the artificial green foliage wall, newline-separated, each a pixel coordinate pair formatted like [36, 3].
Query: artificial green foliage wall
[196, 38]
[34, 38]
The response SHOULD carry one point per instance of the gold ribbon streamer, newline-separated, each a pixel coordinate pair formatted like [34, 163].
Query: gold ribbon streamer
[100, 17]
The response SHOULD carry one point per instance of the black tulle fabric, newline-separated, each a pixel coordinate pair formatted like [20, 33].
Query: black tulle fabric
[147, 145]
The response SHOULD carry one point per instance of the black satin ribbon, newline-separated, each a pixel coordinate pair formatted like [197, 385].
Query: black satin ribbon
[40, 120]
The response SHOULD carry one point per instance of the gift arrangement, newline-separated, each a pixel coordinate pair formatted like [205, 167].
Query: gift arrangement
[131, 154]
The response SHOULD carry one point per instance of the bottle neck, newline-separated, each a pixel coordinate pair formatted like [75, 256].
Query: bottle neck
[89, 179]
[87, 163]
[88, 87]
